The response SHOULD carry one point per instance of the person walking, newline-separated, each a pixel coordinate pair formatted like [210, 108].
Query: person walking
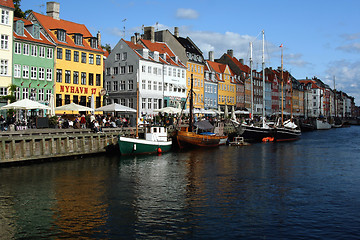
[83, 121]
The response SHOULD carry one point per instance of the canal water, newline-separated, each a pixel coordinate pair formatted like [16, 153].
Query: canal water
[308, 189]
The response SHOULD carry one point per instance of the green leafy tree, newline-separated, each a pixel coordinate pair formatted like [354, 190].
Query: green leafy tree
[18, 12]
[11, 96]
[107, 47]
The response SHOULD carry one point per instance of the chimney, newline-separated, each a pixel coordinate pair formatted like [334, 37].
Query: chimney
[137, 37]
[98, 36]
[176, 32]
[156, 56]
[133, 39]
[241, 60]
[230, 52]
[211, 56]
[53, 10]
[149, 34]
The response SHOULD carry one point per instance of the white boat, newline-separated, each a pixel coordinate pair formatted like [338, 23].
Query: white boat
[322, 124]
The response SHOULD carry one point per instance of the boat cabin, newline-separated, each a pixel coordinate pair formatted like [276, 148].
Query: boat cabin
[158, 134]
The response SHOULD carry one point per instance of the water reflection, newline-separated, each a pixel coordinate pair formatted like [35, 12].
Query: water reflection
[268, 190]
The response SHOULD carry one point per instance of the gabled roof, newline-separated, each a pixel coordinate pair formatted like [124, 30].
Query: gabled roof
[242, 67]
[49, 23]
[7, 3]
[309, 81]
[162, 48]
[28, 37]
[189, 45]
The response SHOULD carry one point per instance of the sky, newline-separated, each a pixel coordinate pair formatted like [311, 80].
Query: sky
[320, 37]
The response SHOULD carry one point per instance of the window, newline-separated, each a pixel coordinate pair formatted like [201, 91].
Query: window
[143, 84]
[25, 93]
[91, 58]
[83, 78]
[76, 77]
[122, 85]
[17, 70]
[3, 91]
[149, 85]
[143, 103]
[165, 69]
[98, 60]
[108, 72]
[155, 70]
[98, 79]
[48, 94]
[17, 48]
[91, 79]
[122, 70]
[130, 69]
[155, 86]
[83, 57]
[122, 101]
[115, 86]
[155, 103]
[42, 52]
[116, 70]
[49, 74]
[149, 103]
[41, 94]
[4, 67]
[33, 50]
[78, 39]
[61, 35]
[149, 69]
[131, 85]
[76, 56]
[49, 53]
[68, 55]
[33, 72]
[124, 56]
[59, 53]
[143, 69]
[108, 86]
[178, 72]
[58, 75]
[67, 76]
[26, 49]
[160, 86]
[93, 43]
[117, 57]
[4, 42]
[174, 72]
[131, 103]
[4, 17]
[41, 73]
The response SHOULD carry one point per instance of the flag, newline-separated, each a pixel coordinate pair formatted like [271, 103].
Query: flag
[45, 85]
[38, 85]
[30, 85]
[22, 83]
[124, 20]
[281, 46]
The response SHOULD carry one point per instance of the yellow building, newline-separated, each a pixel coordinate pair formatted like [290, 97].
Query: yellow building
[78, 59]
[197, 71]
[226, 84]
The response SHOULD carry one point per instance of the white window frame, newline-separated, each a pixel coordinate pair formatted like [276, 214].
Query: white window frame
[17, 71]
[5, 15]
[34, 50]
[17, 49]
[50, 53]
[48, 74]
[42, 52]
[25, 71]
[33, 72]
[41, 73]
[4, 67]
[4, 43]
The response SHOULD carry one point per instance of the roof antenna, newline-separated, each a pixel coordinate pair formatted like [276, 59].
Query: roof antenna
[157, 26]
[124, 20]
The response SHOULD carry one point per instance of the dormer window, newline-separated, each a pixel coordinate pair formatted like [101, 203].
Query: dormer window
[19, 28]
[61, 35]
[36, 31]
[78, 39]
[93, 43]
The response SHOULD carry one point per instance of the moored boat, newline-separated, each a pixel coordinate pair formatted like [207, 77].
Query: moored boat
[322, 124]
[288, 131]
[156, 141]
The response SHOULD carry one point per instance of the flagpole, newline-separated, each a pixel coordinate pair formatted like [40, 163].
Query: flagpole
[282, 87]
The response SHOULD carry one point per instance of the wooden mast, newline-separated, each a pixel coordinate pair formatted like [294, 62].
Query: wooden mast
[282, 86]
[263, 77]
[191, 105]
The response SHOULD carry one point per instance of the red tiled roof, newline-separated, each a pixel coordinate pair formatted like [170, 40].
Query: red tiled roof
[50, 23]
[7, 3]
[313, 83]
[27, 36]
[242, 67]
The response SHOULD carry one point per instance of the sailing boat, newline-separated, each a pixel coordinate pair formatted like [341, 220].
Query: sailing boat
[288, 130]
[203, 134]
[155, 141]
[251, 132]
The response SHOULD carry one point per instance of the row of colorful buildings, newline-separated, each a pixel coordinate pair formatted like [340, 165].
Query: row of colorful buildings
[46, 56]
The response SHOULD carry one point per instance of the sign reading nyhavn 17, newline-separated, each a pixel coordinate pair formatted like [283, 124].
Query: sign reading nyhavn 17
[73, 89]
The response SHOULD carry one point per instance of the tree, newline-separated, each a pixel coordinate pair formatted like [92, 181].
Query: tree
[11, 96]
[18, 12]
[107, 47]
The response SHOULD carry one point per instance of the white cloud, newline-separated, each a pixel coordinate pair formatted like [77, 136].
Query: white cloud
[347, 75]
[352, 47]
[187, 13]
[116, 31]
